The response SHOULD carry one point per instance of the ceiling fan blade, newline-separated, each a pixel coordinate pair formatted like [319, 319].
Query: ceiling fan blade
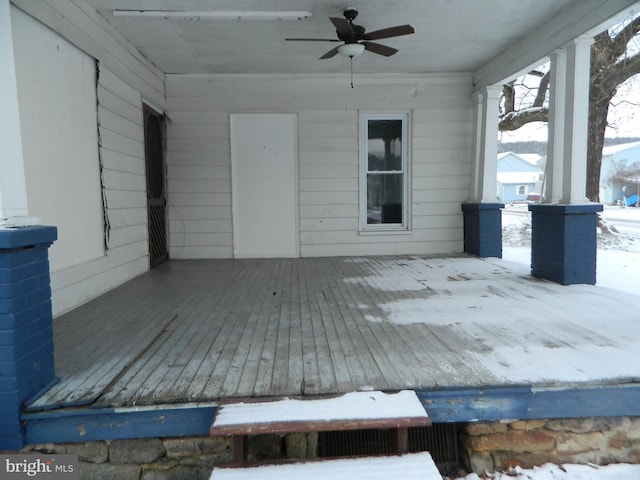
[389, 32]
[331, 53]
[312, 39]
[379, 49]
[344, 28]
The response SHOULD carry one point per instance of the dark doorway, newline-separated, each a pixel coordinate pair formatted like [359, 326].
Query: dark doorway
[156, 185]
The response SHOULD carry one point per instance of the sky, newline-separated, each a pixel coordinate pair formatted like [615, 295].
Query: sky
[624, 113]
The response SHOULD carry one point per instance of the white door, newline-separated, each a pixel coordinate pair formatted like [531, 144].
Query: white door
[264, 173]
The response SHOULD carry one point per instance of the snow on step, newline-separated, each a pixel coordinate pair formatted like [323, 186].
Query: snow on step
[351, 411]
[415, 466]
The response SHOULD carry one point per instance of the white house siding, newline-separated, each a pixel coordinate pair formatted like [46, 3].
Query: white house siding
[125, 79]
[328, 112]
[62, 170]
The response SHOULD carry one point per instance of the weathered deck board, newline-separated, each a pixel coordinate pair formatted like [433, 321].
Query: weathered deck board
[204, 330]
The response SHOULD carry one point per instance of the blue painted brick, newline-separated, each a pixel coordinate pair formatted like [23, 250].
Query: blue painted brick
[16, 304]
[22, 257]
[8, 384]
[13, 319]
[21, 272]
[11, 436]
[19, 350]
[26, 337]
[24, 332]
[42, 293]
[7, 429]
[483, 229]
[564, 243]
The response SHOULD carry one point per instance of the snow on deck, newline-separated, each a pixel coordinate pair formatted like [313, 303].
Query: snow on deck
[350, 407]
[417, 466]
[205, 330]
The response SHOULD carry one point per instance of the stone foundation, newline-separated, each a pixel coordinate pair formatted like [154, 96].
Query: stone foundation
[498, 446]
[189, 458]
[486, 447]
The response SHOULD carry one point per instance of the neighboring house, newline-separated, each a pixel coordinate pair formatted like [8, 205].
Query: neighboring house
[518, 176]
[620, 173]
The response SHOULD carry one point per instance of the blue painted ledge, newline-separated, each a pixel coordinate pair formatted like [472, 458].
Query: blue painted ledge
[531, 403]
[445, 405]
[11, 238]
[86, 425]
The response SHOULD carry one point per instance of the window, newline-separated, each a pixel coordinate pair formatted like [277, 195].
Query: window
[521, 190]
[384, 152]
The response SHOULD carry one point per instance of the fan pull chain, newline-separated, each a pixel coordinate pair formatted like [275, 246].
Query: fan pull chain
[351, 61]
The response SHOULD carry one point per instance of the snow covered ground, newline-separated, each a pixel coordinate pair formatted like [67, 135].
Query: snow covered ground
[618, 268]
[618, 258]
[550, 471]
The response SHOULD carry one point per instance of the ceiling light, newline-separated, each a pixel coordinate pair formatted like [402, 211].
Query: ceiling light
[215, 15]
[351, 49]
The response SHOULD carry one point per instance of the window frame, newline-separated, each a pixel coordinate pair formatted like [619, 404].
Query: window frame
[405, 226]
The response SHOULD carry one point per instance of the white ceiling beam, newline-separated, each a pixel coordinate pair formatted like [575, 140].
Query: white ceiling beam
[580, 18]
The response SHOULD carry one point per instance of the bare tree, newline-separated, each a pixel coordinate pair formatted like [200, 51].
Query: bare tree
[615, 58]
[625, 177]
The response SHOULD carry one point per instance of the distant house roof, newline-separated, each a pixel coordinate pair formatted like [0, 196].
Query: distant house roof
[518, 162]
[613, 149]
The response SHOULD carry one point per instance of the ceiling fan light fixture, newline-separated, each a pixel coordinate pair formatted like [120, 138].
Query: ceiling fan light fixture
[351, 49]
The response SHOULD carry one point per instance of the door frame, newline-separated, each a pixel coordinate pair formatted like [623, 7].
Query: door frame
[156, 259]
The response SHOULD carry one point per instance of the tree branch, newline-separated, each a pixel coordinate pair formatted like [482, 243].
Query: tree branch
[514, 120]
[621, 40]
[509, 94]
[622, 71]
[542, 90]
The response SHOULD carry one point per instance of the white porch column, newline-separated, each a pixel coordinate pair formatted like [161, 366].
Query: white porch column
[485, 146]
[576, 115]
[13, 191]
[555, 143]
[482, 215]
[475, 194]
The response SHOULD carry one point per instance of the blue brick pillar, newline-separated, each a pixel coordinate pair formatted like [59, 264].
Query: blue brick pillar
[563, 242]
[26, 338]
[483, 229]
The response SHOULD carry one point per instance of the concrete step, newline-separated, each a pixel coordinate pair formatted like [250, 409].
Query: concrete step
[414, 466]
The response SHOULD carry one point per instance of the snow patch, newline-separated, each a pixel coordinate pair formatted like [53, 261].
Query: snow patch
[550, 471]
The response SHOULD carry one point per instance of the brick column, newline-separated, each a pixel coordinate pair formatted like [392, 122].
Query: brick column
[483, 229]
[563, 242]
[26, 337]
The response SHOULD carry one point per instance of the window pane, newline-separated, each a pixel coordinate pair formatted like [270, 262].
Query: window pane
[384, 145]
[384, 198]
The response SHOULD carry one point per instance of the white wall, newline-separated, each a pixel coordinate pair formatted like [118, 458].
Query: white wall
[81, 267]
[328, 111]
[57, 96]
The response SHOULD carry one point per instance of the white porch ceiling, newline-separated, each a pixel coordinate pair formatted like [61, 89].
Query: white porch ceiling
[451, 35]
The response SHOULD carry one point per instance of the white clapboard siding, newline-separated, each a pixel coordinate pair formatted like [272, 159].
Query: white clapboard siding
[122, 153]
[83, 26]
[328, 114]
[124, 77]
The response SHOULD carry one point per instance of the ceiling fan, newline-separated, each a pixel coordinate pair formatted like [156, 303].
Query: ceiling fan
[354, 38]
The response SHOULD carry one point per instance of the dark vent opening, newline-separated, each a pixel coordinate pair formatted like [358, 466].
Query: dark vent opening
[440, 440]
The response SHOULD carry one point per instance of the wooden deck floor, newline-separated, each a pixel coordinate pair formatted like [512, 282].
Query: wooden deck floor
[193, 331]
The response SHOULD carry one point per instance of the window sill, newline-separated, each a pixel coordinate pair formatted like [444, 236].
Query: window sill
[389, 231]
